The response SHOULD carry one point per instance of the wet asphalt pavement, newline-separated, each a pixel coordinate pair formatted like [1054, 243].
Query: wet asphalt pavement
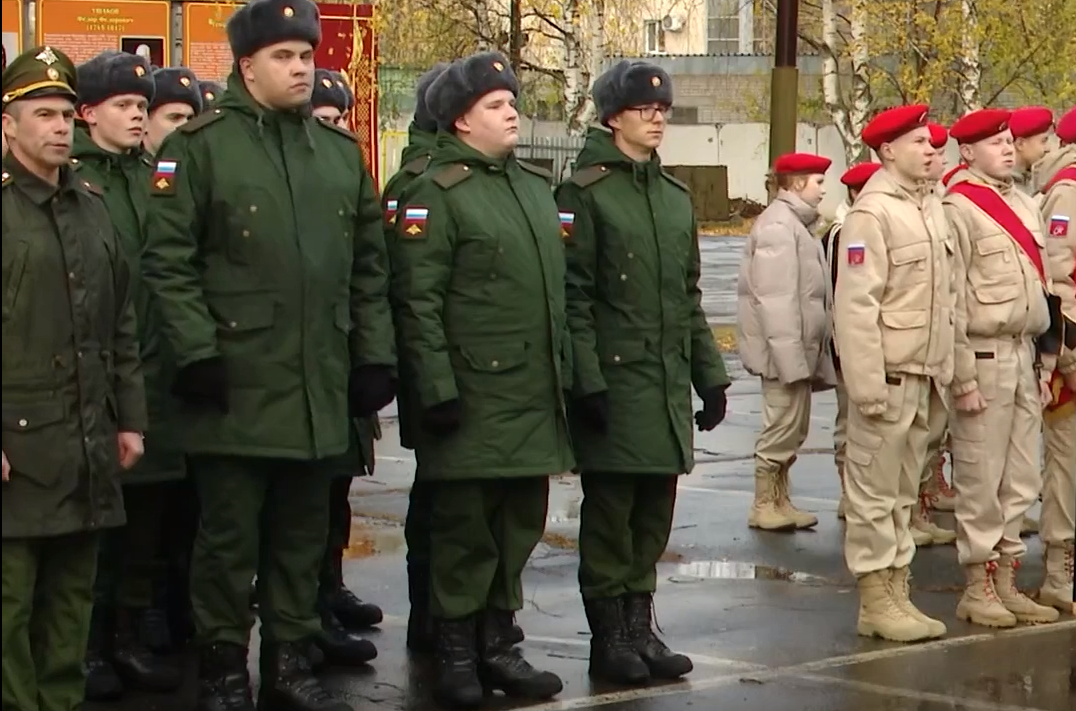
[769, 619]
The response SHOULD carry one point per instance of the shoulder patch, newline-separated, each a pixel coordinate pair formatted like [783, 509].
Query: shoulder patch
[588, 176]
[337, 129]
[537, 170]
[452, 175]
[201, 121]
[416, 166]
[675, 181]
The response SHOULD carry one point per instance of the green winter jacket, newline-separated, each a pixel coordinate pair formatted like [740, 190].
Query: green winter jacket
[265, 247]
[478, 288]
[124, 178]
[635, 310]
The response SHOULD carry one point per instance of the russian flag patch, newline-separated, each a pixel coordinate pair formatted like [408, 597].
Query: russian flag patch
[390, 211]
[567, 220]
[414, 222]
[857, 254]
[163, 181]
[1059, 225]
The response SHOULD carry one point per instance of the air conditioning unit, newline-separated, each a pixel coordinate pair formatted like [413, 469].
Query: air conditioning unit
[672, 23]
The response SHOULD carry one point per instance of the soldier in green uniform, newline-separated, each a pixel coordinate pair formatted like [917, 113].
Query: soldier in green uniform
[639, 343]
[176, 100]
[211, 93]
[74, 405]
[478, 292]
[266, 251]
[329, 101]
[115, 89]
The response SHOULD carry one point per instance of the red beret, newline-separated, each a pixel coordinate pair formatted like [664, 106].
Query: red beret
[980, 125]
[891, 124]
[858, 175]
[938, 135]
[801, 163]
[1030, 121]
[1066, 127]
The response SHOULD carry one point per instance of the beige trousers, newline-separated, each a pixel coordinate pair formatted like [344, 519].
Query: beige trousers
[996, 453]
[786, 422]
[885, 460]
[840, 426]
[1059, 481]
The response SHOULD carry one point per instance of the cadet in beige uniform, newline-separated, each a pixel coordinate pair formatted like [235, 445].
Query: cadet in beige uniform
[784, 331]
[854, 179]
[1055, 179]
[894, 331]
[997, 388]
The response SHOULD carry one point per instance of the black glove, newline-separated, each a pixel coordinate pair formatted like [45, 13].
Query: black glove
[203, 384]
[593, 411]
[714, 404]
[370, 388]
[443, 418]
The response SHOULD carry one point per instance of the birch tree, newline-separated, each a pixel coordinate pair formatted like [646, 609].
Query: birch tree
[849, 108]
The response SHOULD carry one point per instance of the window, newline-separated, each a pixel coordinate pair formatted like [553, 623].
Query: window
[723, 26]
[654, 37]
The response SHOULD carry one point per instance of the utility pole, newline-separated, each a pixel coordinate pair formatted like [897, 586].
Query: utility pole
[784, 82]
[515, 35]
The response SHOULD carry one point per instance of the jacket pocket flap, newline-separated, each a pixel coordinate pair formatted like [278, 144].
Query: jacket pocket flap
[909, 253]
[618, 352]
[246, 313]
[901, 320]
[495, 357]
[996, 294]
[992, 244]
[31, 416]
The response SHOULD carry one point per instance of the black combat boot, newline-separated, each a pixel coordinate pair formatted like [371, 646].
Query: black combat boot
[140, 668]
[154, 631]
[353, 613]
[288, 682]
[612, 657]
[102, 681]
[223, 679]
[502, 667]
[662, 661]
[456, 684]
[338, 646]
[420, 632]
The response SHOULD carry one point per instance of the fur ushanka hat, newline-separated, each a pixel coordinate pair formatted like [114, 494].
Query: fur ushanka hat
[262, 23]
[464, 82]
[113, 73]
[631, 83]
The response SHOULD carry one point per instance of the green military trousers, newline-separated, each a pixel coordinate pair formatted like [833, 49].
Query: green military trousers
[259, 517]
[624, 527]
[131, 563]
[482, 532]
[48, 600]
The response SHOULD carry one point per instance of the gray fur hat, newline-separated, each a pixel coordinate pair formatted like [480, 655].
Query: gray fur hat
[341, 81]
[262, 23]
[113, 73]
[211, 92]
[328, 91]
[424, 120]
[631, 82]
[464, 82]
[176, 85]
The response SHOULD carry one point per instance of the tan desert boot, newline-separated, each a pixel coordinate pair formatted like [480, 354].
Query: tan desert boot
[1029, 526]
[802, 518]
[765, 513]
[899, 582]
[980, 604]
[1024, 608]
[1056, 590]
[881, 616]
[844, 499]
[921, 522]
[944, 495]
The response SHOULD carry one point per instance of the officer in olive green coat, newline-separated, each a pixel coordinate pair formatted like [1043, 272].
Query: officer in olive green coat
[478, 292]
[115, 90]
[74, 405]
[266, 251]
[639, 343]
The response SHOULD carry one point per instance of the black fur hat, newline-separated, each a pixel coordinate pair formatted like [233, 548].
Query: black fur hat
[424, 120]
[631, 82]
[112, 73]
[211, 92]
[261, 23]
[341, 81]
[464, 82]
[328, 91]
[176, 85]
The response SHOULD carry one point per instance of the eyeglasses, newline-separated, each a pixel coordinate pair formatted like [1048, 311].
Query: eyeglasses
[647, 113]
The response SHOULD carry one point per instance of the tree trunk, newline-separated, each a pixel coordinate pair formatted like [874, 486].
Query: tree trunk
[971, 71]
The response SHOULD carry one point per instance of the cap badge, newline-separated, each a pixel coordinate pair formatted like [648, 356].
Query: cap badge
[52, 74]
[139, 70]
[655, 81]
[209, 95]
[288, 12]
[498, 66]
[185, 81]
[47, 56]
[1003, 125]
[923, 117]
[327, 83]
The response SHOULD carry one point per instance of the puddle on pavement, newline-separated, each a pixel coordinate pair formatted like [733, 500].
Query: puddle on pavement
[371, 540]
[731, 570]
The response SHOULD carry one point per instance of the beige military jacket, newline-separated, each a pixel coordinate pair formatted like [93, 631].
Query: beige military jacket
[894, 303]
[784, 295]
[1058, 206]
[1000, 293]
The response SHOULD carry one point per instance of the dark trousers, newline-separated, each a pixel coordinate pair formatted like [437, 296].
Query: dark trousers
[482, 532]
[624, 527]
[259, 517]
[180, 524]
[339, 536]
[48, 600]
[131, 561]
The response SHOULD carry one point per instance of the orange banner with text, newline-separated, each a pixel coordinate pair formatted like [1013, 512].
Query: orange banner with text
[205, 40]
[12, 28]
[85, 28]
